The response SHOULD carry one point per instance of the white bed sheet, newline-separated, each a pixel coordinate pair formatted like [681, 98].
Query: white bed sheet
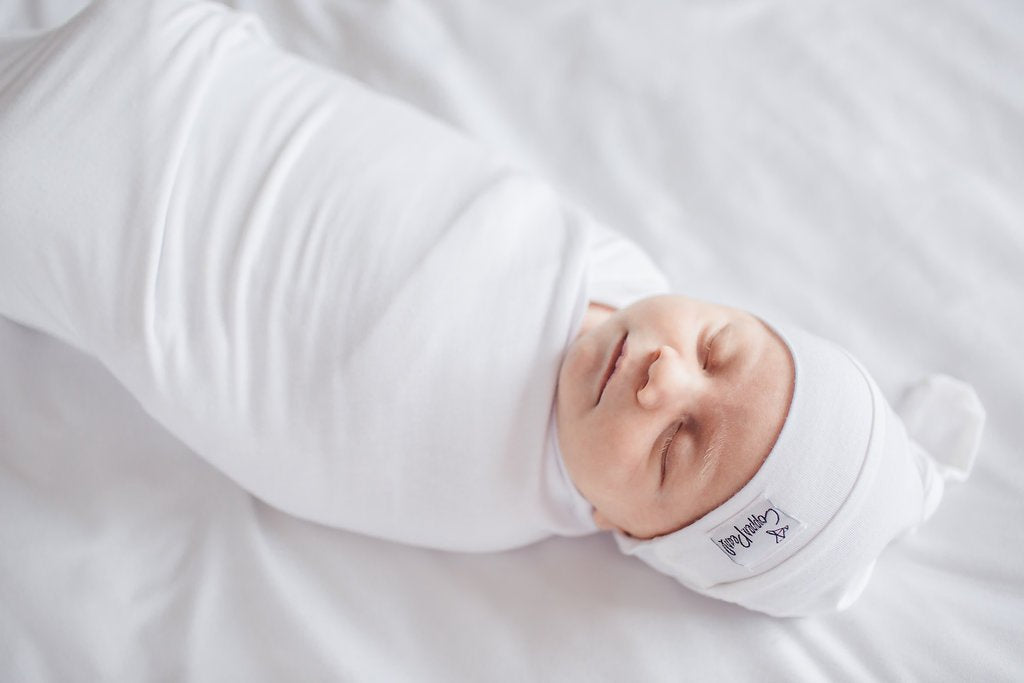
[852, 168]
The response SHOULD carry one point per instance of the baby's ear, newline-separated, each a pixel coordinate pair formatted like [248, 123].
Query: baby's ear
[603, 523]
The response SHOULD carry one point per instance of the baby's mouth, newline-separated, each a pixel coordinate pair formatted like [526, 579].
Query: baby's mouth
[613, 363]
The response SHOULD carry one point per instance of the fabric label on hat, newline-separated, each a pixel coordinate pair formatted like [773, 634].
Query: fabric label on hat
[756, 533]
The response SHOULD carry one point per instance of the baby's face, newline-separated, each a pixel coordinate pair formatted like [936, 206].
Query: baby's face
[669, 407]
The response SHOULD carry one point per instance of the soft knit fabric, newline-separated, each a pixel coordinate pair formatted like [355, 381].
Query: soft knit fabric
[843, 479]
[347, 307]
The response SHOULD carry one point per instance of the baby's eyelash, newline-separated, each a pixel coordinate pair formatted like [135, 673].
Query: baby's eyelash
[664, 453]
[707, 349]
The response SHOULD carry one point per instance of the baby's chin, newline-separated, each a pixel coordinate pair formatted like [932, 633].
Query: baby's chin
[582, 353]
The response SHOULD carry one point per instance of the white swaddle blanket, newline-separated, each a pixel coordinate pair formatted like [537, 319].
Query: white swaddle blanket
[348, 308]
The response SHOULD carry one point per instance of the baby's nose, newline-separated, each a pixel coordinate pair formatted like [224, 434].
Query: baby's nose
[667, 380]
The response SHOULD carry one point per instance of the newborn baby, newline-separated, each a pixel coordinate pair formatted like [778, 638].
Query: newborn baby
[651, 397]
[760, 467]
[368, 321]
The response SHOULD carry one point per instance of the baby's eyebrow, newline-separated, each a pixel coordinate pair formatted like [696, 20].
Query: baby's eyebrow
[713, 451]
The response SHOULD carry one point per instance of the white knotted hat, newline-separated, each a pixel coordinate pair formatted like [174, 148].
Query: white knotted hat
[842, 481]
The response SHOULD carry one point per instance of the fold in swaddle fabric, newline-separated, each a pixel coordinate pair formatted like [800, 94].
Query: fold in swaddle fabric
[345, 306]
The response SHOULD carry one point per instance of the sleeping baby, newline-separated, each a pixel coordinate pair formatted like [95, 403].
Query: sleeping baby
[755, 464]
[370, 322]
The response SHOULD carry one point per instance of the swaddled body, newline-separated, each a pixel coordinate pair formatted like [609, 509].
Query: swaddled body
[346, 307]
[360, 317]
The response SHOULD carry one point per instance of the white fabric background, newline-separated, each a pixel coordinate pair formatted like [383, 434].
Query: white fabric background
[853, 169]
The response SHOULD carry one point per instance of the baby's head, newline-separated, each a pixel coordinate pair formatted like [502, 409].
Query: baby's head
[758, 465]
